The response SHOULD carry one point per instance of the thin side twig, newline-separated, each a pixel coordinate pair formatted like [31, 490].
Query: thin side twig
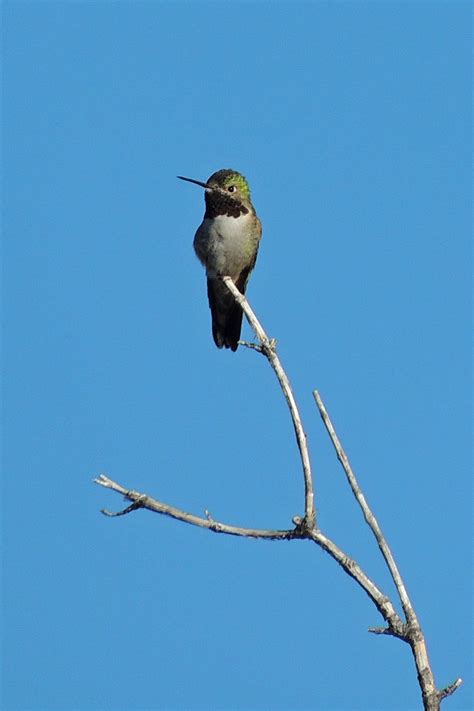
[448, 690]
[268, 348]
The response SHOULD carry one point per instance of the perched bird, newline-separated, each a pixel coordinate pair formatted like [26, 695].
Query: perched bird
[226, 243]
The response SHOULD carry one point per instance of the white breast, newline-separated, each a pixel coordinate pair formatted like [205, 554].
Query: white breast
[222, 244]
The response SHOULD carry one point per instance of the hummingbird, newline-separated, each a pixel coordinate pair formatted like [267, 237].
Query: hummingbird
[226, 243]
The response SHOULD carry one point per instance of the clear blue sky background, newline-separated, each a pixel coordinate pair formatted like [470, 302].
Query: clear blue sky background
[352, 123]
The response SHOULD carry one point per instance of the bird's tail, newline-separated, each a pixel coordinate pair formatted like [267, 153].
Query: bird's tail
[226, 313]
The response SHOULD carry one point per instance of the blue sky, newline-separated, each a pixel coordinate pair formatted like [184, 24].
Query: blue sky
[351, 121]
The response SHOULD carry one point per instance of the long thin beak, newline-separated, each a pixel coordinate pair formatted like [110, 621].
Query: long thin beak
[196, 182]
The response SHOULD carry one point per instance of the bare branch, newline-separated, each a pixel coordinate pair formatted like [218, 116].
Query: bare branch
[143, 501]
[268, 348]
[368, 515]
[381, 601]
[301, 531]
[305, 528]
[413, 634]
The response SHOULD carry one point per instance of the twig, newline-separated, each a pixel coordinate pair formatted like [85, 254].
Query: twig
[268, 348]
[142, 501]
[450, 689]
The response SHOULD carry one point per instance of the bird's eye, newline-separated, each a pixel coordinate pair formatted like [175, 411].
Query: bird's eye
[231, 188]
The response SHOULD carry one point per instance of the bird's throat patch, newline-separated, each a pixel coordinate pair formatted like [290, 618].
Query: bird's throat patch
[219, 204]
